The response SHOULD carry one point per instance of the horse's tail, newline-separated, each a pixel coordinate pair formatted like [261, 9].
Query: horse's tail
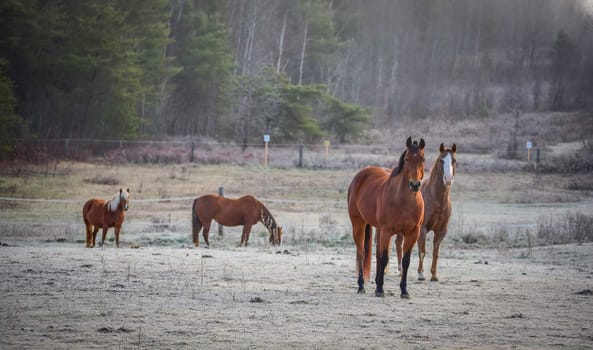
[196, 225]
[368, 246]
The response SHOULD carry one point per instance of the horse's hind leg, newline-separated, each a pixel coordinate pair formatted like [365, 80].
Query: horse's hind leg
[206, 231]
[89, 235]
[245, 235]
[94, 238]
[382, 251]
[368, 248]
[358, 234]
[421, 253]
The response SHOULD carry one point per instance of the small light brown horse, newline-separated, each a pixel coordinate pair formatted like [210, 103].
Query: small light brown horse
[391, 202]
[436, 193]
[246, 211]
[98, 213]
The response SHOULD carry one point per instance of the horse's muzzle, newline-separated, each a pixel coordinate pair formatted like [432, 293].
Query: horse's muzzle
[125, 208]
[414, 185]
[447, 181]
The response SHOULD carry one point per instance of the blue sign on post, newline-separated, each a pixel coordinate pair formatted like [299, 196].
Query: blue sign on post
[266, 138]
[529, 145]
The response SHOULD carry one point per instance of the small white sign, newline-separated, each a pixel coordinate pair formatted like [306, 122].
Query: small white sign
[529, 145]
[266, 138]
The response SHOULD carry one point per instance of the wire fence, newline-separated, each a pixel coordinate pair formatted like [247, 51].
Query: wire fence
[198, 151]
[282, 155]
[167, 221]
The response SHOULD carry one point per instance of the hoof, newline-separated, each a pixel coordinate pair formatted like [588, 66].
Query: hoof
[405, 296]
[421, 277]
[361, 291]
[380, 294]
[434, 279]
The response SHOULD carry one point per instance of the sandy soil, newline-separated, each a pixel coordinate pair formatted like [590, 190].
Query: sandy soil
[56, 296]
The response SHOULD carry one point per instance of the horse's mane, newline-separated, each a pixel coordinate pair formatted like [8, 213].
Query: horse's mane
[113, 203]
[400, 165]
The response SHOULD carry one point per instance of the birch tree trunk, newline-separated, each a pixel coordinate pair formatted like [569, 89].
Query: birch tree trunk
[303, 54]
[281, 46]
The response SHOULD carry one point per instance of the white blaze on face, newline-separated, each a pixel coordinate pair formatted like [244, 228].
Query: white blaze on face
[447, 169]
[125, 196]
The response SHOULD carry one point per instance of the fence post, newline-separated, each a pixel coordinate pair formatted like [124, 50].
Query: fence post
[220, 193]
[301, 155]
[67, 147]
[191, 155]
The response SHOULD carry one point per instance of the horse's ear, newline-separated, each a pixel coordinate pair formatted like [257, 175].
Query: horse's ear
[422, 144]
[409, 142]
[442, 148]
[454, 148]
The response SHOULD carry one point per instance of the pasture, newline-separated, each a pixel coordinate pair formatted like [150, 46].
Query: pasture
[502, 284]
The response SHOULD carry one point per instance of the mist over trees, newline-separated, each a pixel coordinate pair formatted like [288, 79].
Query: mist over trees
[301, 70]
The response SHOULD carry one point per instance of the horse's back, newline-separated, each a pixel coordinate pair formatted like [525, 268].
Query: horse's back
[228, 211]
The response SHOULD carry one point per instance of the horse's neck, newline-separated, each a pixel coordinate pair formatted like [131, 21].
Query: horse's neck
[435, 186]
[113, 204]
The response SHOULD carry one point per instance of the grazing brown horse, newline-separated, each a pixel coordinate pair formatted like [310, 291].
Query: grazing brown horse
[391, 202]
[246, 211]
[436, 193]
[98, 213]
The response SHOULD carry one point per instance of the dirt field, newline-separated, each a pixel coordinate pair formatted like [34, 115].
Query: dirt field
[57, 296]
[157, 293]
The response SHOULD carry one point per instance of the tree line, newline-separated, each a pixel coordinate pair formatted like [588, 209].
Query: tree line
[299, 70]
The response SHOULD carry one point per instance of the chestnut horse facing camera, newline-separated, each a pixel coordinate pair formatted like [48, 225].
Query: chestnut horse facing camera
[98, 213]
[391, 202]
[246, 211]
[436, 193]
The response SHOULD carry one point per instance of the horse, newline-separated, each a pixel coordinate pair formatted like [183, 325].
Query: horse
[392, 203]
[98, 213]
[246, 211]
[436, 192]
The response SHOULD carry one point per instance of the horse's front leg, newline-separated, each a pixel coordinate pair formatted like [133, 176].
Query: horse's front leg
[399, 240]
[436, 246]
[94, 238]
[105, 229]
[116, 229]
[421, 253]
[245, 234]
[410, 239]
[382, 252]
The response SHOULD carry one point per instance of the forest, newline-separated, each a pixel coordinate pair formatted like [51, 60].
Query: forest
[232, 70]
